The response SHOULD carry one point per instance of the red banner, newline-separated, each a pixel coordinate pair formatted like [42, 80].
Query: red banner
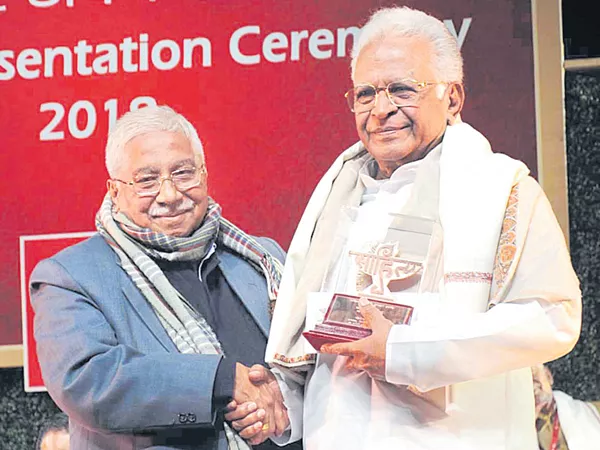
[263, 82]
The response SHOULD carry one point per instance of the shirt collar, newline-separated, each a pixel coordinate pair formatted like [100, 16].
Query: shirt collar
[405, 174]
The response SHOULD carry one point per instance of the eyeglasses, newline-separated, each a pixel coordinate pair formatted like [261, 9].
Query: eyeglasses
[183, 179]
[401, 93]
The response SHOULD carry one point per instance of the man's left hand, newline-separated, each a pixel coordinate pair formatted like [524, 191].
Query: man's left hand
[366, 354]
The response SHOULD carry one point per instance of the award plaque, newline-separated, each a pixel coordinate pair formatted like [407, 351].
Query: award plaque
[388, 261]
[344, 323]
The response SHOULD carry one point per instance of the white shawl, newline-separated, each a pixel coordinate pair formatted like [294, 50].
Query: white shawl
[474, 185]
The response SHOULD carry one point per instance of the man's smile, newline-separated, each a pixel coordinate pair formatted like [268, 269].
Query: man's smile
[171, 215]
[388, 129]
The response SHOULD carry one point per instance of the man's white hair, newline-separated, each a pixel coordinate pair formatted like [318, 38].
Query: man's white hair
[142, 121]
[407, 22]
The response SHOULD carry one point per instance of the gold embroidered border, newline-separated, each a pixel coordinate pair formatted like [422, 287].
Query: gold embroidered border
[507, 246]
[297, 359]
[468, 277]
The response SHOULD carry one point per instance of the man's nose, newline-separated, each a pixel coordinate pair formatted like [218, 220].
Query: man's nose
[168, 192]
[383, 106]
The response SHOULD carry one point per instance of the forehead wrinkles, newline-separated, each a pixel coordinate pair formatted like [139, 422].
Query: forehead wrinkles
[394, 58]
[154, 151]
[158, 141]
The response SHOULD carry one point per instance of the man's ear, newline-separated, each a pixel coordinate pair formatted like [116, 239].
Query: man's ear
[456, 100]
[113, 189]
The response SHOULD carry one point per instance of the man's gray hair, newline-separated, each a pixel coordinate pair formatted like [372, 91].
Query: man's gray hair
[407, 22]
[147, 120]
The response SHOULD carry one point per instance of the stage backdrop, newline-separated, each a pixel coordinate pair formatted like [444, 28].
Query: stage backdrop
[263, 82]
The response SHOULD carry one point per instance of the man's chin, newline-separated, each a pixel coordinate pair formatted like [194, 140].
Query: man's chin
[393, 152]
[177, 226]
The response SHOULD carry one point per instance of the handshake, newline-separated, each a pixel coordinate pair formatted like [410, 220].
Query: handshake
[257, 411]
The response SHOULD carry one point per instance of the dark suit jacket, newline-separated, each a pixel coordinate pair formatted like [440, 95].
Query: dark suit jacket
[108, 362]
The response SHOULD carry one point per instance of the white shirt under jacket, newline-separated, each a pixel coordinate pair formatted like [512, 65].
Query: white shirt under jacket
[348, 411]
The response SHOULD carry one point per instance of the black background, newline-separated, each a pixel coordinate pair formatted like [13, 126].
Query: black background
[581, 28]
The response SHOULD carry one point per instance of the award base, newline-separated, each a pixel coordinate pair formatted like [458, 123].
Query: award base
[344, 323]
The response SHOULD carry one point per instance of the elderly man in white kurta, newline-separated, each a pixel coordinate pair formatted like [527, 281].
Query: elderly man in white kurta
[506, 298]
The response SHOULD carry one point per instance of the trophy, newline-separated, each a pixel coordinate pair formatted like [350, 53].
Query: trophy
[343, 322]
[398, 260]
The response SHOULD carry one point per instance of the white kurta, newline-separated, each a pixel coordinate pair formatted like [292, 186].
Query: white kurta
[351, 411]
[509, 300]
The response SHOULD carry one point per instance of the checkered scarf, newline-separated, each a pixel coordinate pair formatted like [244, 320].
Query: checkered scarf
[137, 249]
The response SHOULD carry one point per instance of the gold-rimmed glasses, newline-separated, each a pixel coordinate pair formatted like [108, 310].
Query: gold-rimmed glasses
[401, 93]
[183, 179]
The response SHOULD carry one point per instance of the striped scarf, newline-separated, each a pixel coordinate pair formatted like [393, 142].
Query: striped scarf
[137, 249]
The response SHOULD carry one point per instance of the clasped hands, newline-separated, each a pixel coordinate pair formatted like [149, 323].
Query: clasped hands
[257, 411]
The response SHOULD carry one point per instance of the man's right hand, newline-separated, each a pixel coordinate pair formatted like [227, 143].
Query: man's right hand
[258, 411]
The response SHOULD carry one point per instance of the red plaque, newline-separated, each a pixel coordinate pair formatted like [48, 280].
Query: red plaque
[344, 323]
